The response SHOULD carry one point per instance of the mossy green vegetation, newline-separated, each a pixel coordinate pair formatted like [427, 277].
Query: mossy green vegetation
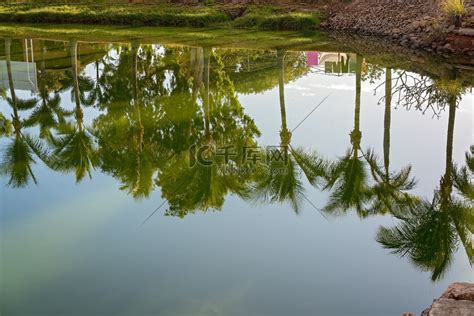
[215, 37]
[276, 18]
[163, 15]
[454, 7]
[260, 17]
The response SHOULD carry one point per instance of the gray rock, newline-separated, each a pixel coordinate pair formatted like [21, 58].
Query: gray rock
[460, 291]
[450, 307]
[457, 300]
[465, 31]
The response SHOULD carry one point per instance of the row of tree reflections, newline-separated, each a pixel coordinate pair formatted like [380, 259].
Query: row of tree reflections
[155, 103]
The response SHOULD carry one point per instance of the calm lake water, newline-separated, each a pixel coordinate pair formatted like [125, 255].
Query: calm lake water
[141, 178]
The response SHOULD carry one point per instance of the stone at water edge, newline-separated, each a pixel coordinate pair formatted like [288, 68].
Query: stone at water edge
[460, 291]
[449, 307]
[457, 300]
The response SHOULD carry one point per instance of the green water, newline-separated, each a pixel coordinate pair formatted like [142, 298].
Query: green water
[282, 176]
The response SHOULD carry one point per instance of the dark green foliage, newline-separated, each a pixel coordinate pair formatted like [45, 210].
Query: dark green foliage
[276, 19]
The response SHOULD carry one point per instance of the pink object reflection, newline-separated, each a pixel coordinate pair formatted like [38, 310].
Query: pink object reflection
[312, 59]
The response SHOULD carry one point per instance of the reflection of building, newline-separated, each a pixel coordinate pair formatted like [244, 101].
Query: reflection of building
[333, 63]
[23, 72]
[32, 59]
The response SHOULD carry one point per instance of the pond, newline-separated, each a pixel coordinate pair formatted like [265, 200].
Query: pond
[167, 174]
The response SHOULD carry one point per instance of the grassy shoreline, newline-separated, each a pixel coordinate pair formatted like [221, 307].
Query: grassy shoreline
[182, 36]
[256, 17]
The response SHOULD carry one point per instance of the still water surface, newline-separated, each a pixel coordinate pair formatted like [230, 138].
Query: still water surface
[150, 179]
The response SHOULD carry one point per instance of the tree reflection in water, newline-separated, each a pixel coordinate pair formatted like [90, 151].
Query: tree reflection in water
[347, 176]
[155, 108]
[430, 231]
[279, 180]
[18, 156]
[74, 148]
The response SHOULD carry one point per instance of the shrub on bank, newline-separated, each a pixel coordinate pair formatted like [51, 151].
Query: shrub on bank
[455, 9]
[277, 19]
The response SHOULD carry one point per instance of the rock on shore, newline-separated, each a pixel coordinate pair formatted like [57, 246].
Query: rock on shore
[457, 300]
[414, 23]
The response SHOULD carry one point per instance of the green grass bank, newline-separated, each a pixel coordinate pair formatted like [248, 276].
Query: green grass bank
[180, 36]
[256, 17]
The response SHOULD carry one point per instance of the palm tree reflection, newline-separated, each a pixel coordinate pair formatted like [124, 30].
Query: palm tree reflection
[74, 147]
[390, 191]
[347, 177]
[19, 153]
[49, 114]
[280, 179]
[430, 232]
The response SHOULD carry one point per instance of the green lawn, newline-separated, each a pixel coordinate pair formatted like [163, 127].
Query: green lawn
[266, 17]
